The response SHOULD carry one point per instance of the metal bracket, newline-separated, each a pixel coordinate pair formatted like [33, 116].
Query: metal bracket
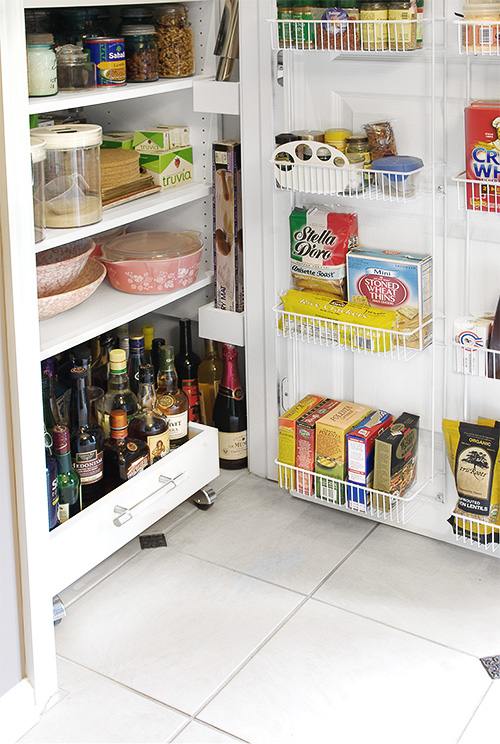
[204, 498]
[280, 69]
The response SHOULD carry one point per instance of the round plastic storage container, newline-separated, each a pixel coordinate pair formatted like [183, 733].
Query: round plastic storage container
[399, 174]
[152, 262]
[141, 53]
[38, 155]
[175, 41]
[72, 174]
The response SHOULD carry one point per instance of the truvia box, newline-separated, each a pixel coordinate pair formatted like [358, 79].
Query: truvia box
[227, 224]
[169, 169]
[360, 457]
[305, 444]
[168, 137]
[116, 140]
[396, 453]
[331, 448]
[287, 427]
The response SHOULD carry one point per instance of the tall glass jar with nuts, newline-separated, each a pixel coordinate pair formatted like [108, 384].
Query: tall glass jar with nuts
[175, 41]
[141, 53]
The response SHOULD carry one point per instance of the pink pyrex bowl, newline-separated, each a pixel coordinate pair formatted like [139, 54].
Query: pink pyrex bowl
[152, 262]
[57, 267]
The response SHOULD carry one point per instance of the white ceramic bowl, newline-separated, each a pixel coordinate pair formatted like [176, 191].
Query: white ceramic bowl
[57, 268]
[79, 290]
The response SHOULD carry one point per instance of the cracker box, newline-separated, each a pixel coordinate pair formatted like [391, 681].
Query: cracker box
[360, 457]
[305, 446]
[331, 448]
[287, 427]
[121, 140]
[395, 281]
[227, 223]
[161, 138]
[482, 155]
[169, 169]
[396, 454]
[319, 241]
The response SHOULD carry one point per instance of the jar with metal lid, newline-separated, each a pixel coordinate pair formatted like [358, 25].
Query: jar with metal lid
[133, 15]
[141, 53]
[286, 30]
[358, 144]
[282, 139]
[402, 24]
[356, 177]
[74, 71]
[337, 138]
[37, 146]
[76, 24]
[374, 34]
[72, 174]
[42, 65]
[175, 41]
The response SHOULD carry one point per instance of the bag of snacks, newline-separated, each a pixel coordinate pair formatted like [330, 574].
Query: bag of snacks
[381, 140]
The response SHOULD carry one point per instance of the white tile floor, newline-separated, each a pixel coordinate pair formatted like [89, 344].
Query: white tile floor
[271, 620]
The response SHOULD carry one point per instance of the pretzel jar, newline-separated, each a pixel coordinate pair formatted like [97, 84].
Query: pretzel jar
[175, 39]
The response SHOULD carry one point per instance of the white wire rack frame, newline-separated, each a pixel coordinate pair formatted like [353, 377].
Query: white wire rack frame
[403, 345]
[344, 35]
[476, 361]
[477, 196]
[480, 38]
[351, 497]
[469, 531]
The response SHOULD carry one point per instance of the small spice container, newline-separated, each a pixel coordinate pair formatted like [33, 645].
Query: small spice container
[305, 32]
[72, 174]
[141, 53]
[337, 138]
[356, 178]
[373, 17]
[358, 144]
[38, 155]
[399, 174]
[42, 65]
[74, 71]
[286, 30]
[282, 139]
[402, 26]
[175, 41]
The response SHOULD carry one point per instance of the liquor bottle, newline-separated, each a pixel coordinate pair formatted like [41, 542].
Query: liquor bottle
[82, 357]
[156, 345]
[149, 424]
[68, 481]
[230, 416]
[86, 438]
[119, 394]
[122, 339]
[99, 370]
[123, 457]
[148, 332]
[172, 401]
[136, 358]
[186, 364]
[209, 377]
[51, 483]
[51, 416]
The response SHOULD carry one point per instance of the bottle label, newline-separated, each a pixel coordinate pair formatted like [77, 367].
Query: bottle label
[136, 466]
[178, 425]
[159, 445]
[232, 445]
[88, 465]
[63, 512]
[190, 387]
[237, 393]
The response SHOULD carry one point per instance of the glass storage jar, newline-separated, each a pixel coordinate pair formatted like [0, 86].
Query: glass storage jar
[42, 65]
[175, 41]
[358, 144]
[402, 26]
[76, 24]
[142, 15]
[37, 21]
[74, 71]
[141, 53]
[72, 174]
[373, 17]
[37, 146]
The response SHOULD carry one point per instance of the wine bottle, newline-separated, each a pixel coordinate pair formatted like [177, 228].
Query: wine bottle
[119, 394]
[156, 345]
[99, 371]
[51, 483]
[124, 457]
[86, 439]
[148, 332]
[136, 358]
[230, 416]
[149, 424]
[172, 401]
[68, 482]
[122, 339]
[51, 415]
[209, 377]
[186, 364]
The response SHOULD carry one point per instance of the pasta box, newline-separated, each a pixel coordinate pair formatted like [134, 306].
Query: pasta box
[169, 169]
[396, 453]
[287, 428]
[360, 457]
[305, 445]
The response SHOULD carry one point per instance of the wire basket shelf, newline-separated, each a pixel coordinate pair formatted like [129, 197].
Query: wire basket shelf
[477, 196]
[481, 38]
[476, 532]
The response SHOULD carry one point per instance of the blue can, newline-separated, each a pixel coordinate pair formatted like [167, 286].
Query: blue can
[108, 55]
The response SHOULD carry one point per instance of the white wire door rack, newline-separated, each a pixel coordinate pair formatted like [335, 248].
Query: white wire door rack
[477, 195]
[480, 38]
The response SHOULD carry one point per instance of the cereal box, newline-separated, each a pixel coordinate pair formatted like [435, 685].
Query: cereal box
[331, 448]
[396, 451]
[395, 281]
[305, 448]
[169, 169]
[319, 241]
[482, 155]
[227, 221]
[287, 425]
[360, 457]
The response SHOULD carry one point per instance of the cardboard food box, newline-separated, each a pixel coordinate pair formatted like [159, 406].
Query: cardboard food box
[169, 169]
[287, 427]
[482, 155]
[396, 454]
[161, 138]
[472, 336]
[361, 455]
[331, 447]
[305, 444]
[395, 281]
[227, 223]
[121, 140]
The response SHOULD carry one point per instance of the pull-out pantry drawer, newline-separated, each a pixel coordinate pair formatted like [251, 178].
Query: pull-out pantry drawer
[88, 538]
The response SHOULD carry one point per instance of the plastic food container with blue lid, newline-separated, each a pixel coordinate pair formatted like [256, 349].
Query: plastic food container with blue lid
[398, 173]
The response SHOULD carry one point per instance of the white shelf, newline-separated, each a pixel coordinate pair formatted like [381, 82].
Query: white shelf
[125, 213]
[106, 308]
[217, 97]
[221, 325]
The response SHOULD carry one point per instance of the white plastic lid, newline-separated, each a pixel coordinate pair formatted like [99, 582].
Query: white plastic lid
[37, 149]
[69, 136]
[151, 245]
[138, 30]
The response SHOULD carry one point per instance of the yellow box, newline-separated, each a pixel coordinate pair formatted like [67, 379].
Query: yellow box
[287, 429]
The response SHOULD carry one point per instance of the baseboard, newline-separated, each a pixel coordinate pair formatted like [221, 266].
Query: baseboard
[18, 712]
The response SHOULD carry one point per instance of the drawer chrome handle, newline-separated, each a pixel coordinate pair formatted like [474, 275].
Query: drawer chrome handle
[125, 514]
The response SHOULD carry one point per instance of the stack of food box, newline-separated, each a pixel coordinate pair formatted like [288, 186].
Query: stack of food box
[335, 450]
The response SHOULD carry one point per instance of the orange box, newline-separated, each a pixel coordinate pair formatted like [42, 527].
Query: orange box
[287, 425]
[305, 448]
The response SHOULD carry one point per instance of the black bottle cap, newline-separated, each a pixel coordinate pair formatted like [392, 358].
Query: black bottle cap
[146, 373]
[157, 343]
[81, 354]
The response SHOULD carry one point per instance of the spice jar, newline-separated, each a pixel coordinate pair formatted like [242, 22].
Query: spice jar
[402, 25]
[356, 178]
[337, 138]
[72, 174]
[305, 33]
[373, 17]
[42, 65]
[74, 71]
[358, 144]
[37, 178]
[175, 41]
[141, 53]
[286, 30]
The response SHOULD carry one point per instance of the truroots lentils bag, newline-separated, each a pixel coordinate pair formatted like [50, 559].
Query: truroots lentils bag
[474, 457]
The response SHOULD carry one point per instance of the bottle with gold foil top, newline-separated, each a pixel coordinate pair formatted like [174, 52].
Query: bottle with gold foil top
[186, 364]
[209, 377]
[172, 401]
[230, 416]
[148, 332]
[149, 424]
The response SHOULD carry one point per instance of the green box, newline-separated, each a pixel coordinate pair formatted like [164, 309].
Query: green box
[169, 169]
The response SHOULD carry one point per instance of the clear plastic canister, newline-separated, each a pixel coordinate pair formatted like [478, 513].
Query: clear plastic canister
[72, 174]
[38, 155]
[482, 30]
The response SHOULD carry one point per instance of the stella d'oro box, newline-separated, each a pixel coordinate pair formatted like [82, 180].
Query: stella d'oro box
[287, 430]
[169, 169]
